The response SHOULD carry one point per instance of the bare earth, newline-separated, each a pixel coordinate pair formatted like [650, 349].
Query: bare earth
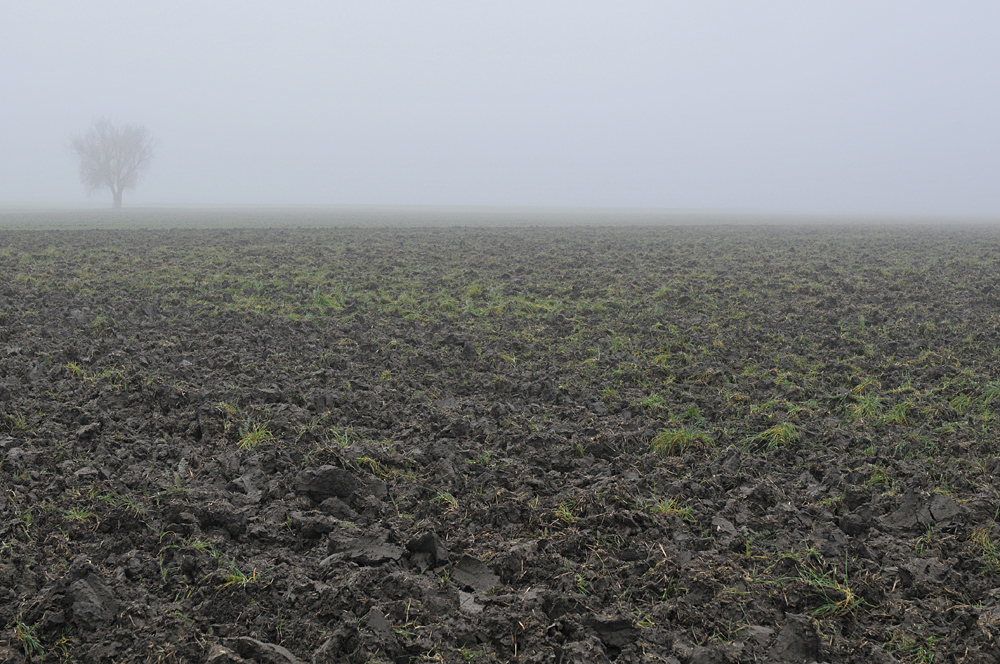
[647, 444]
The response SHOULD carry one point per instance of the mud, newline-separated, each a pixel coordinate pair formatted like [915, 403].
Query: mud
[725, 444]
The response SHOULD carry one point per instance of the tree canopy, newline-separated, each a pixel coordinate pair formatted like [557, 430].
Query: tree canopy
[113, 154]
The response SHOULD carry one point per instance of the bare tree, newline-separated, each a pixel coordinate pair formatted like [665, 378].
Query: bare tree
[113, 154]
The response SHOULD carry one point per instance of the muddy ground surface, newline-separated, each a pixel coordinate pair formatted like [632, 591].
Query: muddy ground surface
[722, 444]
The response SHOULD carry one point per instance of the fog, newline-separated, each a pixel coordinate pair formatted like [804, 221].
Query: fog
[785, 107]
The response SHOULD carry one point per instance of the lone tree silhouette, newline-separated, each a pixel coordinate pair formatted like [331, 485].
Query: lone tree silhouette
[113, 154]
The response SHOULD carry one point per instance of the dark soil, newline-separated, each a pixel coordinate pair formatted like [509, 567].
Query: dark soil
[721, 444]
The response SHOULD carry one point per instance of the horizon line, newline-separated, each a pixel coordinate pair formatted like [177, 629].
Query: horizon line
[42, 207]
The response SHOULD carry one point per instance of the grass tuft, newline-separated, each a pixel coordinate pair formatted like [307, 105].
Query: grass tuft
[673, 442]
[780, 435]
[255, 435]
[25, 634]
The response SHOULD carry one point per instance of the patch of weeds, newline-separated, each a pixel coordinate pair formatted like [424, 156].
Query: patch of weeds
[831, 503]
[898, 414]
[654, 401]
[25, 519]
[376, 468]
[564, 512]
[181, 615]
[114, 376]
[670, 507]
[926, 541]
[77, 514]
[342, 438]
[321, 300]
[915, 445]
[313, 427]
[673, 442]
[203, 546]
[13, 423]
[252, 436]
[802, 557]
[990, 393]
[672, 589]
[836, 596]
[780, 435]
[865, 383]
[766, 408]
[228, 409]
[879, 477]
[866, 408]
[484, 459]
[643, 620]
[445, 498]
[235, 576]
[280, 625]
[750, 537]
[989, 549]
[794, 409]
[119, 500]
[692, 414]
[25, 635]
[232, 575]
[836, 593]
[911, 649]
[508, 358]
[470, 655]
[62, 645]
[961, 404]
[444, 578]
[474, 290]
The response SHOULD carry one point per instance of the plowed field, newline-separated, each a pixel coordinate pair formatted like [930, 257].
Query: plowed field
[687, 444]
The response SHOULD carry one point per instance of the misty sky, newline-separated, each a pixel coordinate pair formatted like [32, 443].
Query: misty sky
[825, 107]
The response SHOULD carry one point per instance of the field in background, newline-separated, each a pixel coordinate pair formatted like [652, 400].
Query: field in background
[712, 442]
[41, 217]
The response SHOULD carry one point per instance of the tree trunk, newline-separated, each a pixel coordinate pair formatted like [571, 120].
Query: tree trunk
[118, 197]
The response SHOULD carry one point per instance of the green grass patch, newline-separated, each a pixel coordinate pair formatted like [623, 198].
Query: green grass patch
[673, 442]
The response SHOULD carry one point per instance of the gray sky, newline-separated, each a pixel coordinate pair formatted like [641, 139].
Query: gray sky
[828, 107]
